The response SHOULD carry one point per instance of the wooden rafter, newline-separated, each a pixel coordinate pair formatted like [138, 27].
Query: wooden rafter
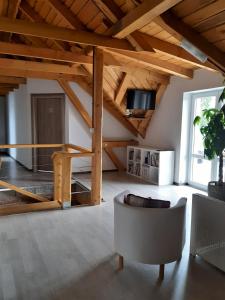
[12, 80]
[8, 85]
[140, 16]
[12, 72]
[158, 64]
[113, 17]
[13, 7]
[75, 101]
[5, 90]
[120, 93]
[33, 16]
[215, 55]
[67, 57]
[113, 12]
[172, 49]
[23, 65]
[63, 34]
[66, 14]
[44, 53]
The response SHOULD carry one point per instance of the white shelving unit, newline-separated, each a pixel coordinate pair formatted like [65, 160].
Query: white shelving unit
[153, 165]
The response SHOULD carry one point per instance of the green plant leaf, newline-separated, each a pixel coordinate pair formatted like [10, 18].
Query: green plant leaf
[222, 96]
[197, 120]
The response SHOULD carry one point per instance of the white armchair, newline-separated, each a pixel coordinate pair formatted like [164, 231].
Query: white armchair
[149, 235]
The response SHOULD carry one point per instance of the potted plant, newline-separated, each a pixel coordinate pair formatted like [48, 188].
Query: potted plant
[212, 128]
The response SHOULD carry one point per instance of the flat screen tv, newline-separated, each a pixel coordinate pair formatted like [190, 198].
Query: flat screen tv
[141, 99]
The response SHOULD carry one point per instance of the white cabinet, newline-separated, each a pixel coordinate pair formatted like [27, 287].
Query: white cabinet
[153, 165]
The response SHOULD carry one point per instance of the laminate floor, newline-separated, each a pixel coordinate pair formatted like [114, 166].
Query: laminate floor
[68, 254]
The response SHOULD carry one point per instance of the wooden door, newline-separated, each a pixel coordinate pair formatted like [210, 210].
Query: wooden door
[48, 112]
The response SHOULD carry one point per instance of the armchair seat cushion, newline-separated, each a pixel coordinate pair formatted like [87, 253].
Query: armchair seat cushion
[138, 201]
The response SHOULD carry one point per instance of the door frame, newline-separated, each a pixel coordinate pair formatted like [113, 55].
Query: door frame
[34, 121]
[212, 92]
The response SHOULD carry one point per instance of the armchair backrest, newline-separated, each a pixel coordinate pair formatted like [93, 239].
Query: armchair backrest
[149, 235]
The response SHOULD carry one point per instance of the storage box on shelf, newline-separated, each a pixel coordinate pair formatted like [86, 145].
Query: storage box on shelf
[153, 165]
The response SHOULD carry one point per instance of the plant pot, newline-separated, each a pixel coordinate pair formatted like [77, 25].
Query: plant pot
[216, 191]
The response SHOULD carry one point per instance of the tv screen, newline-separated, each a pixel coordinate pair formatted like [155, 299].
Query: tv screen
[141, 99]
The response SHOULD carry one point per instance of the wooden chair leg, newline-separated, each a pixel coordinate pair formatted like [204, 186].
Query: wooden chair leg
[161, 272]
[120, 262]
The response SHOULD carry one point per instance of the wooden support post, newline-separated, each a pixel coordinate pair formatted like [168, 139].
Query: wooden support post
[96, 190]
[57, 165]
[66, 186]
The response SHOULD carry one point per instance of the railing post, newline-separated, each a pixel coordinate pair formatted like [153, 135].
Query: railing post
[66, 182]
[57, 166]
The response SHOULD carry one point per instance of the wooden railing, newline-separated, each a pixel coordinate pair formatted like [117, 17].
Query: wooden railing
[62, 172]
[62, 179]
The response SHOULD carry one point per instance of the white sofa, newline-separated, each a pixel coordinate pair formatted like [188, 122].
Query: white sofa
[149, 235]
[208, 229]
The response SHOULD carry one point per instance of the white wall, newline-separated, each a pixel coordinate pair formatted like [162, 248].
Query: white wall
[164, 131]
[165, 128]
[19, 125]
[76, 131]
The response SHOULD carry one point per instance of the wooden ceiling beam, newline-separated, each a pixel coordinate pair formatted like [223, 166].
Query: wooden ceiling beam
[172, 49]
[113, 13]
[158, 64]
[215, 55]
[33, 16]
[9, 85]
[13, 7]
[44, 53]
[63, 34]
[12, 80]
[5, 90]
[23, 65]
[142, 15]
[37, 74]
[15, 73]
[70, 57]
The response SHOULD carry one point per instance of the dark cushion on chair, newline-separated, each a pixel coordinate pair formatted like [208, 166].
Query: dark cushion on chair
[138, 201]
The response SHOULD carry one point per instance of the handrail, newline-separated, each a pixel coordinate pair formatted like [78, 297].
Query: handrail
[7, 146]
